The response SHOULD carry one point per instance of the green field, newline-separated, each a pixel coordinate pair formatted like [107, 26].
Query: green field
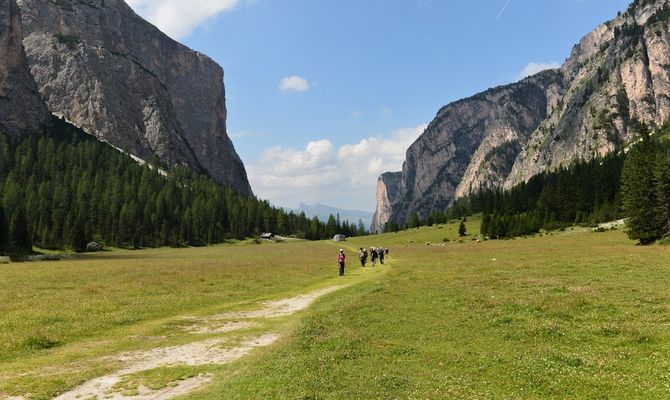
[574, 314]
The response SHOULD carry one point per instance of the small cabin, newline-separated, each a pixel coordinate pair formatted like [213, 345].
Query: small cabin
[268, 236]
[339, 238]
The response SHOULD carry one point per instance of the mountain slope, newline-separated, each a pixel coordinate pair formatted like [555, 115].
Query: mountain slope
[471, 143]
[108, 71]
[615, 78]
[618, 74]
[21, 109]
[324, 212]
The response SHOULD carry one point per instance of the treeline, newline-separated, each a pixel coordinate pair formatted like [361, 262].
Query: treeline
[66, 188]
[584, 193]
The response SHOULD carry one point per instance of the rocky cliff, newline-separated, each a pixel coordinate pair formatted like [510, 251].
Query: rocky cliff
[21, 109]
[388, 187]
[616, 77]
[108, 71]
[472, 143]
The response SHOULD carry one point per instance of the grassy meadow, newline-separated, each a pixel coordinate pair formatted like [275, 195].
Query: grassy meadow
[574, 314]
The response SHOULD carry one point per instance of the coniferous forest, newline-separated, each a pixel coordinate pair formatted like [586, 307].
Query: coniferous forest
[65, 189]
[586, 193]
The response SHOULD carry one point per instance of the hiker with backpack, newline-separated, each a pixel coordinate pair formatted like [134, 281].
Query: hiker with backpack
[341, 259]
[363, 256]
[373, 255]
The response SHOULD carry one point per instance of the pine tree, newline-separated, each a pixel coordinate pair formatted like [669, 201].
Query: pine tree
[639, 192]
[414, 220]
[461, 229]
[486, 221]
[4, 243]
[19, 237]
[78, 241]
[662, 175]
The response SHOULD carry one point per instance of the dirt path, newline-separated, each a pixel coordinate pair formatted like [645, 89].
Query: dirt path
[197, 353]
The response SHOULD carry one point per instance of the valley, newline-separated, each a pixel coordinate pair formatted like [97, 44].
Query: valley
[565, 314]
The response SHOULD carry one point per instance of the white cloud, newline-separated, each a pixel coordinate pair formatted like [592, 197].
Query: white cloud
[294, 84]
[179, 18]
[387, 112]
[322, 173]
[534, 67]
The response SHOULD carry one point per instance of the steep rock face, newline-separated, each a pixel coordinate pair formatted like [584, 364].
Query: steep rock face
[105, 69]
[473, 143]
[618, 74]
[21, 109]
[615, 78]
[388, 187]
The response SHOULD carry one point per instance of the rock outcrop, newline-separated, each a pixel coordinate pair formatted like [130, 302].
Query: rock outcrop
[615, 78]
[108, 71]
[472, 143]
[21, 108]
[618, 75]
[388, 187]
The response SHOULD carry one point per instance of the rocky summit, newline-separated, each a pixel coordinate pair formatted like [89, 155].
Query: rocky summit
[21, 109]
[617, 77]
[106, 70]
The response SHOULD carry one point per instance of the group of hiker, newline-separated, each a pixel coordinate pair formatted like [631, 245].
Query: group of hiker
[376, 253]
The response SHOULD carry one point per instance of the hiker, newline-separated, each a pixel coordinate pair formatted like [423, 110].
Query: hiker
[381, 255]
[341, 258]
[363, 256]
[373, 255]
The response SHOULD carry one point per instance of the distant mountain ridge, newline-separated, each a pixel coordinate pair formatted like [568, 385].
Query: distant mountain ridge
[615, 78]
[323, 212]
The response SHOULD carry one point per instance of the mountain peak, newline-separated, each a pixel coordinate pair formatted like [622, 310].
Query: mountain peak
[615, 77]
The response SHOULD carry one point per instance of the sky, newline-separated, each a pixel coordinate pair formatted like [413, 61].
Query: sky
[323, 96]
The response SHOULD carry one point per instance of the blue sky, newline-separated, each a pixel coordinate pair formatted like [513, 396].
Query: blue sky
[324, 95]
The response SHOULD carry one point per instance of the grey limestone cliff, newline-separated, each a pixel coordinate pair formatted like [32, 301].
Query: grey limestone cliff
[21, 108]
[388, 187]
[616, 77]
[473, 143]
[113, 74]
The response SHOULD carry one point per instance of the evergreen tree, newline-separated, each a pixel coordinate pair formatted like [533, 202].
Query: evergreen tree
[362, 231]
[78, 241]
[4, 242]
[639, 192]
[461, 229]
[19, 237]
[414, 220]
[662, 175]
[486, 221]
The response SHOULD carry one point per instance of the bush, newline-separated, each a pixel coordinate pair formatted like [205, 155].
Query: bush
[70, 40]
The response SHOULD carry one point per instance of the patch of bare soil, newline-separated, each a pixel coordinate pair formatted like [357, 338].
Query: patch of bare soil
[198, 353]
[193, 354]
